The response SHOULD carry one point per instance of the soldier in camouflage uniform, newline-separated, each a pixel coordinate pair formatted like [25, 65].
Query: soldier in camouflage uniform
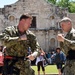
[18, 39]
[67, 44]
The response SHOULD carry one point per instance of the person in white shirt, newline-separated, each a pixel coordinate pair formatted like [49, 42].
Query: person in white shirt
[40, 63]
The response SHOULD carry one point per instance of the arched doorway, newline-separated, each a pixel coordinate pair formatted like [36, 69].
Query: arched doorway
[52, 44]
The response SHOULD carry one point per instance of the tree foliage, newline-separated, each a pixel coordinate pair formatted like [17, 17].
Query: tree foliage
[53, 1]
[65, 4]
[72, 7]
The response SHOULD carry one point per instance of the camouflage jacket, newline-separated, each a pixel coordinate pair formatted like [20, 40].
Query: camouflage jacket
[10, 38]
[69, 42]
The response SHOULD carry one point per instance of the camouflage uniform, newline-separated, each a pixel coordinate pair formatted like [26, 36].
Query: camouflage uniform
[68, 47]
[16, 48]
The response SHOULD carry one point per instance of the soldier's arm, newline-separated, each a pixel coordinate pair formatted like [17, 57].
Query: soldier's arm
[7, 35]
[34, 46]
[70, 43]
[36, 49]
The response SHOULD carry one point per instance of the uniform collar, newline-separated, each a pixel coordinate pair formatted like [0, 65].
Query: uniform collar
[72, 30]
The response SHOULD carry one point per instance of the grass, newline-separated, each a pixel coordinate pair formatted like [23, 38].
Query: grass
[50, 69]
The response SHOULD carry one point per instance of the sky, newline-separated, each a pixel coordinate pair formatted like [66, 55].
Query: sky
[8, 2]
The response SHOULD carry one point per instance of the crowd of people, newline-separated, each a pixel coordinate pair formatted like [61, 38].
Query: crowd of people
[57, 58]
[22, 47]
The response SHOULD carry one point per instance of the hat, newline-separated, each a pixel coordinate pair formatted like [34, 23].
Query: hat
[65, 19]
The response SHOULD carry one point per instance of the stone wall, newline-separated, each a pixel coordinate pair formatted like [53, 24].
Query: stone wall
[47, 19]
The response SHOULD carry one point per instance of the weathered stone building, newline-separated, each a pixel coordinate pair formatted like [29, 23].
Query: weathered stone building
[46, 18]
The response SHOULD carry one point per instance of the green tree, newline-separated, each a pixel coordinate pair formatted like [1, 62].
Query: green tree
[72, 7]
[52, 1]
[63, 3]
[67, 4]
[70, 4]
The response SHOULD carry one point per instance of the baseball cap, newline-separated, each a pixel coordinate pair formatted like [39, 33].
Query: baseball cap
[65, 19]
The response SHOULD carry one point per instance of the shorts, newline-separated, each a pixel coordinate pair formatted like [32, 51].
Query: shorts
[59, 66]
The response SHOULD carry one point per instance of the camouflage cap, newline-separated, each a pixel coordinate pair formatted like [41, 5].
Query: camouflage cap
[65, 19]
